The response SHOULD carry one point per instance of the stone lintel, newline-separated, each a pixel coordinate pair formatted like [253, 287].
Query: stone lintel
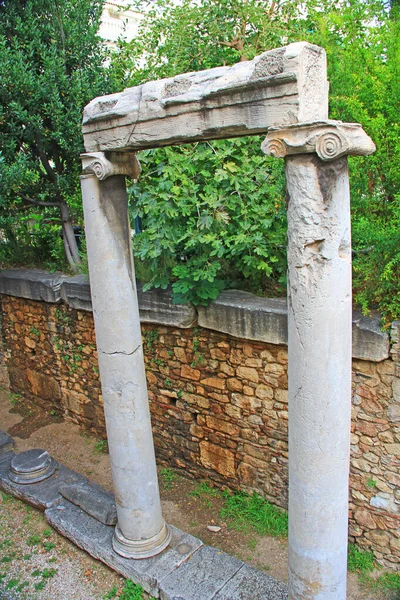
[105, 165]
[279, 87]
[239, 314]
[328, 139]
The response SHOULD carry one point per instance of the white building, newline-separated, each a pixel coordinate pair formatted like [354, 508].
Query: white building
[118, 20]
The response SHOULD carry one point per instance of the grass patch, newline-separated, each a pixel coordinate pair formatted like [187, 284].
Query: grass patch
[132, 591]
[203, 489]
[168, 477]
[245, 512]
[360, 561]
[101, 447]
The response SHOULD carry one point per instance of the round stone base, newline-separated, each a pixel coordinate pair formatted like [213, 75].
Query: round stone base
[32, 466]
[141, 548]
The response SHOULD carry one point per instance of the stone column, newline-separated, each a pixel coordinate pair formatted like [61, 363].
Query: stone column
[141, 531]
[319, 320]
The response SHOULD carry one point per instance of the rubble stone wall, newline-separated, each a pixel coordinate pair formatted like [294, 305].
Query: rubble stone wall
[218, 401]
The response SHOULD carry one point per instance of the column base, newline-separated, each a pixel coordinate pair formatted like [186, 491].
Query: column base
[137, 549]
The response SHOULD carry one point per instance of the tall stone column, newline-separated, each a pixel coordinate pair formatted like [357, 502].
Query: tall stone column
[141, 531]
[319, 320]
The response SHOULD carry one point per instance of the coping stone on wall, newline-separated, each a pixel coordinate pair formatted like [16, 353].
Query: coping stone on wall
[245, 315]
[75, 291]
[237, 313]
[156, 306]
[32, 284]
[369, 341]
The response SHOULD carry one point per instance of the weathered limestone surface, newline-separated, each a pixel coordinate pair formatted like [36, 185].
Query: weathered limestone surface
[369, 341]
[279, 87]
[75, 291]
[96, 538]
[41, 495]
[28, 283]
[93, 499]
[6, 442]
[245, 315]
[319, 328]
[251, 583]
[141, 531]
[202, 576]
[156, 306]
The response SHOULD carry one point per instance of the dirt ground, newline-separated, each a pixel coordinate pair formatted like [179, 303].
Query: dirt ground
[77, 572]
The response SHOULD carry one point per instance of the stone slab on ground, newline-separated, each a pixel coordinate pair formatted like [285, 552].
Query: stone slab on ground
[201, 577]
[252, 583]
[93, 499]
[41, 495]
[6, 442]
[96, 539]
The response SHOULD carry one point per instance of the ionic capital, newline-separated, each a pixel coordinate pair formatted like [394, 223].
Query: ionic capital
[328, 139]
[105, 165]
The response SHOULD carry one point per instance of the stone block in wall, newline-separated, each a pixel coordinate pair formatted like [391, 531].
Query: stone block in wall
[31, 284]
[245, 315]
[43, 386]
[369, 341]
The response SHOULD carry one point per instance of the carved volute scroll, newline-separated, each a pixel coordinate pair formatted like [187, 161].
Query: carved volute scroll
[328, 139]
[106, 164]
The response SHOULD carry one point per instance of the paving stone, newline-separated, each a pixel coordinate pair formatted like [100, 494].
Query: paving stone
[93, 499]
[200, 577]
[6, 442]
[250, 583]
[43, 494]
[96, 538]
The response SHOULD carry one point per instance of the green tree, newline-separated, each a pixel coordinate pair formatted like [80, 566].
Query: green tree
[51, 65]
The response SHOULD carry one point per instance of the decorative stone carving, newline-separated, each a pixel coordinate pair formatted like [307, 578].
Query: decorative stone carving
[329, 139]
[105, 165]
[279, 87]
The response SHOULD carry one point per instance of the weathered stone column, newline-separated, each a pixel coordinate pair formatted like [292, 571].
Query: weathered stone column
[141, 531]
[319, 306]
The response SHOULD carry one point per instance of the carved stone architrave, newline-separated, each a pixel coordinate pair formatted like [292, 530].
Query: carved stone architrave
[328, 139]
[106, 164]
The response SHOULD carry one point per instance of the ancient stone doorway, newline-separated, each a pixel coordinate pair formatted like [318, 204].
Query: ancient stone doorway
[284, 94]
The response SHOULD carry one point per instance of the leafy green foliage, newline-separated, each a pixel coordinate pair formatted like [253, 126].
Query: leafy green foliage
[51, 64]
[213, 216]
[200, 204]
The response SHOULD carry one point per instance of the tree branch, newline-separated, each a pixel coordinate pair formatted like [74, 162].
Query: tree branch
[43, 158]
[38, 202]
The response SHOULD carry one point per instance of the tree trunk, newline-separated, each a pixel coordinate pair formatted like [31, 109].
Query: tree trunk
[70, 245]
